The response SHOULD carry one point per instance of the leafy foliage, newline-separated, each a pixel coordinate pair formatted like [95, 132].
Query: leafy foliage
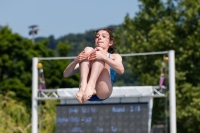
[47, 116]
[15, 116]
[160, 26]
[16, 55]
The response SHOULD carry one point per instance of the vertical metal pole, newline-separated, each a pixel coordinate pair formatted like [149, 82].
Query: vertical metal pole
[33, 38]
[172, 91]
[150, 113]
[34, 95]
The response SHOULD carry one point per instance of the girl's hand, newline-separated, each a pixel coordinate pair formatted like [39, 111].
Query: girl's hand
[82, 56]
[99, 54]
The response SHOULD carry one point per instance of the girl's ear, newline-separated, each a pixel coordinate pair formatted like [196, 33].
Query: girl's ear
[111, 43]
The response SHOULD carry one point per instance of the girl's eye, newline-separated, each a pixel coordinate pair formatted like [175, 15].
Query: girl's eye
[104, 36]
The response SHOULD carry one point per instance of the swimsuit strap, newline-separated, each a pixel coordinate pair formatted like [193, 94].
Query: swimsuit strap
[108, 55]
[112, 72]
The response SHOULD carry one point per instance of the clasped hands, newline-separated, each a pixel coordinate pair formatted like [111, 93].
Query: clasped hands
[95, 54]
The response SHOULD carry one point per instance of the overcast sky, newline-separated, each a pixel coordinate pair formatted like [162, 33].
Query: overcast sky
[61, 17]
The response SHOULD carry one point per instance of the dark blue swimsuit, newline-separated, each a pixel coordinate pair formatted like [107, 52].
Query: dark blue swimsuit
[112, 77]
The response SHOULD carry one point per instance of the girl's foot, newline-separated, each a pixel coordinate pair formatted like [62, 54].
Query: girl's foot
[80, 93]
[79, 96]
[89, 92]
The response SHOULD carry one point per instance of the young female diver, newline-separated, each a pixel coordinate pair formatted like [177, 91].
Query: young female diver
[97, 67]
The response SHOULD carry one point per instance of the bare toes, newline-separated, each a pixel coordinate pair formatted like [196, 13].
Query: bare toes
[79, 99]
[85, 98]
[79, 96]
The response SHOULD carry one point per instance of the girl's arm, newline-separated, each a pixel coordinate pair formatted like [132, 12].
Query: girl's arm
[73, 67]
[115, 62]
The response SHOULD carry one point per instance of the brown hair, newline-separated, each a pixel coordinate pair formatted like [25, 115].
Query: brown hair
[111, 49]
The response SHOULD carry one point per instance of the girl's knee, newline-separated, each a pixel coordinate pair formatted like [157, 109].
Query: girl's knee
[88, 50]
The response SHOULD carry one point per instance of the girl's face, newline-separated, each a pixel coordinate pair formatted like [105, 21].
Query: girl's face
[102, 39]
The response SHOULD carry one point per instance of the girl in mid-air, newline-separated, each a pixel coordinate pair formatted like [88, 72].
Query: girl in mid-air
[98, 67]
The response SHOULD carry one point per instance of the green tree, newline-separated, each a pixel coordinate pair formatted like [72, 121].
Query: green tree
[162, 26]
[47, 116]
[16, 55]
[15, 116]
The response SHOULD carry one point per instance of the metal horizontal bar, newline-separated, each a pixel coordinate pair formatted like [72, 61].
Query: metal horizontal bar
[55, 90]
[67, 98]
[123, 55]
[56, 58]
[145, 53]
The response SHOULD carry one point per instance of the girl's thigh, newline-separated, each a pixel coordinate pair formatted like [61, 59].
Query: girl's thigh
[103, 84]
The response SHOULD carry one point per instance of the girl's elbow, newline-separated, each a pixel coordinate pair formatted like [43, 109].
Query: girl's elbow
[121, 71]
[65, 75]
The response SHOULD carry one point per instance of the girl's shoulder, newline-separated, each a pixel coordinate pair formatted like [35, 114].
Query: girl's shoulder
[115, 55]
